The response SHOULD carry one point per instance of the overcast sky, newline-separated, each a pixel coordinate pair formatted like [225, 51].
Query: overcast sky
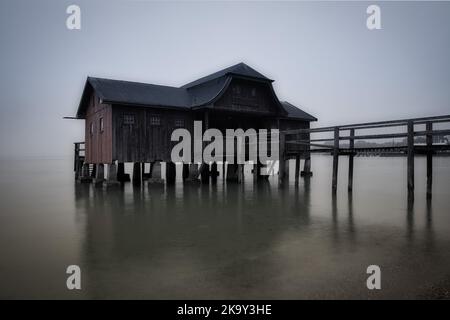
[321, 56]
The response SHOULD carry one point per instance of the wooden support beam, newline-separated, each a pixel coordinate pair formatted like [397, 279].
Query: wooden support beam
[155, 178]
[297, 169]
[111, 179]
[282, 163]
[185, 173]
[171, 172]
[429, 139]
[137, 174]
[410, 160]
[214, 172]
[204, 173]
[350, 160]
[240, 173]
[335, 159]
[99, 175]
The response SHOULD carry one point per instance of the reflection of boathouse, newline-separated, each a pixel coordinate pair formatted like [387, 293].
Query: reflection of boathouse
[133, 122]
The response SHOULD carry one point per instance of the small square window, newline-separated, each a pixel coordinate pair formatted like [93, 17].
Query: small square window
[179, 123]
[128, 119]
[155, 121]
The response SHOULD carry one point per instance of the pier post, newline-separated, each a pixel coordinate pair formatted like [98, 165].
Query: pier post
[410, 160]
[429, 138]
[224, 170]
[240, 173]
[335, 159]
[350, 159]
[193, 173]
[232, 172]
[121, 177]
[155, 177]
[171, 172]
[85, 177]
[204, 172]
[137, 173]
[185, 173]
[214, 172]
[307, 167]
[145, 176]
[282, 162]
[111, 179]
[99, 175]
[94, 170]
[297, 169]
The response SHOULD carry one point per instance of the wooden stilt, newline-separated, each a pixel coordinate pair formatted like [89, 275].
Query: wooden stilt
[171, 172]
[121, 176]
[137, 174]
[111, 179]
[155, 178]
[350, 160]
[410, 160]
[240, 173]
[204, 173]
[232, 172]
[307, 167]
[429, 127]
[335, 159]
[297, 169]
[282, 162]
[214, 172]
[185, 171]
[99, 175]
[85, 176]
[94, 170]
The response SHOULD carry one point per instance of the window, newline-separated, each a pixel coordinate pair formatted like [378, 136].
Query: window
[253, 92]
[155, 121]
[128, 119]
[91, 128]
[101, 125]
[179, 123]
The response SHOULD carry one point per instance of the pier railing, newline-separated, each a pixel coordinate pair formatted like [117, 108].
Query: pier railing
[406, 147]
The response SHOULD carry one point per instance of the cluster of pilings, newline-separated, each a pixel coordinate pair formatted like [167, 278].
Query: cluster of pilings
[152, 173]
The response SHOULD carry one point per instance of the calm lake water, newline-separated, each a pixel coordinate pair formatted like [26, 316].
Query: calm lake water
[224, 241]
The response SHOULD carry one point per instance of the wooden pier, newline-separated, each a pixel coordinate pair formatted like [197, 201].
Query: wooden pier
[332, 145]
[295, 144]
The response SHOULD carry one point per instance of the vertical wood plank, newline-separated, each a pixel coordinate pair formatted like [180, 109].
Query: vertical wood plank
[335, 159]
[350, 159]
[410, 160]
[429, 127]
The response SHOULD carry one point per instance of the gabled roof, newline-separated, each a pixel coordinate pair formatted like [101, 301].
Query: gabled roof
[201, 92]
[240, 69]
[127, 92]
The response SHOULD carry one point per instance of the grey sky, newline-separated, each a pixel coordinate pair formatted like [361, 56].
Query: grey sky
[321, 56]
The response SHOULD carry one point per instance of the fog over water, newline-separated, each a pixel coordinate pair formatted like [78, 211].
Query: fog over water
[224, 240]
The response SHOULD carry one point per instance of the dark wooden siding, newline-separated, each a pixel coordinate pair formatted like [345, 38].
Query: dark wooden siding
[247, 96]
[290, 124]
[145, 140]
[98, 142]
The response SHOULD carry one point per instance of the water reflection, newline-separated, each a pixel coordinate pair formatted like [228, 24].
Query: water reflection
[224, 240]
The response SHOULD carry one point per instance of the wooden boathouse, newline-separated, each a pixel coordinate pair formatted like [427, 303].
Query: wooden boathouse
[130, 122]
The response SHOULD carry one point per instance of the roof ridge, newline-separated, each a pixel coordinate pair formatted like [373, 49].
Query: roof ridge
[133, 82]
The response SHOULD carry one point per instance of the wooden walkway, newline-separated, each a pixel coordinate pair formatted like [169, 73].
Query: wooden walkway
[289, 140]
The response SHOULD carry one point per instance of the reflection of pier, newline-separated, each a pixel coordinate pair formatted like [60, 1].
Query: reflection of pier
[409, 149]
